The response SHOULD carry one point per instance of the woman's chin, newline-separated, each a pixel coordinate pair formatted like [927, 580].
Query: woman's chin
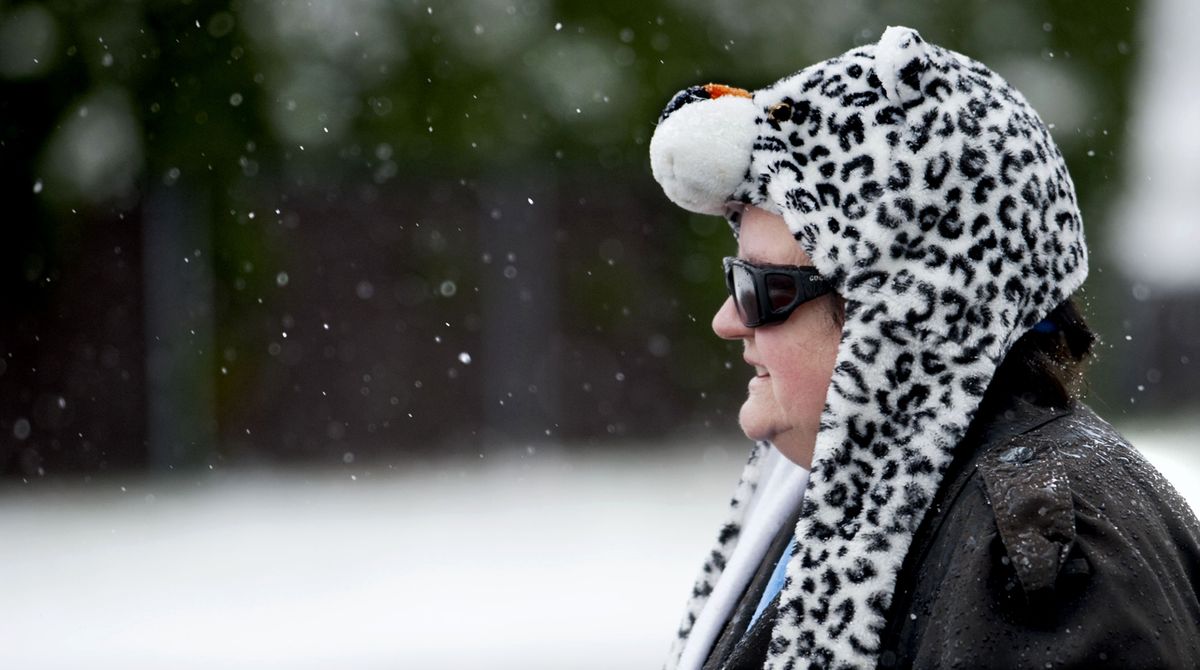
[756, 421]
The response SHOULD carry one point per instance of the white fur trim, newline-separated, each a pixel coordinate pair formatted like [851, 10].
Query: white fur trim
[776, 499]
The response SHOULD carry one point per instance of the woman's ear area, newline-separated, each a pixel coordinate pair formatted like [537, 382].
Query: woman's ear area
[700, 150]
[902, 63]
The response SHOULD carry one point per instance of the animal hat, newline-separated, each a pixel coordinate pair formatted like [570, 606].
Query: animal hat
[932, 195]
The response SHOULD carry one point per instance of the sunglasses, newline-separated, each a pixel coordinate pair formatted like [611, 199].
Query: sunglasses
[766, 294]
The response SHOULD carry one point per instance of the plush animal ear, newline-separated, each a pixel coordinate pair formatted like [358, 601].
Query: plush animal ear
[902, 62]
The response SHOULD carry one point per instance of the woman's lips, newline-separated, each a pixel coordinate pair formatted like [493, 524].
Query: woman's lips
[760, 376]
[760, 372]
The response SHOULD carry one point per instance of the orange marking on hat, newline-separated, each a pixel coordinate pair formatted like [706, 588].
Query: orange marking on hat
[717, 90]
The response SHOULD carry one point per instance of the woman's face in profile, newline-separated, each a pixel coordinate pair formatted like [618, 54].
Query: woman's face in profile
[793, 360]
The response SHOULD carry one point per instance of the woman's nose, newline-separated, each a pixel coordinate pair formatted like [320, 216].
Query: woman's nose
[727, 324]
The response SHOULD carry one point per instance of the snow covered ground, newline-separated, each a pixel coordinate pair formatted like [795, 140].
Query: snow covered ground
[474, 565]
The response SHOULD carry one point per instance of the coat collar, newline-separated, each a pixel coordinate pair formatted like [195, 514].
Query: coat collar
[1016, 415]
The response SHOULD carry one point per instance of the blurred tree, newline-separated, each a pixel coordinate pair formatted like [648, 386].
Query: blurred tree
[371, 229]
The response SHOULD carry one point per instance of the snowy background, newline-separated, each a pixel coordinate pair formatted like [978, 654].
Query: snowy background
[455, 565]
[281, 280]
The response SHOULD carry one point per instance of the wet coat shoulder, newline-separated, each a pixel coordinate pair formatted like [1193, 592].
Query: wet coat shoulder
[1053, 543]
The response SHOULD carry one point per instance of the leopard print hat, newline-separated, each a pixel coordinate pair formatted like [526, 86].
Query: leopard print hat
[932, 195]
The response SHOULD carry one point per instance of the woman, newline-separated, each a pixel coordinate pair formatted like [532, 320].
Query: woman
[924, 492]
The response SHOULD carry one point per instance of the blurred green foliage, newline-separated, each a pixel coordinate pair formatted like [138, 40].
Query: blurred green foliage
[360, 145]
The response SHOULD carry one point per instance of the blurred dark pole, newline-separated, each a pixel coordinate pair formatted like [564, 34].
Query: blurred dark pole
[1159, 372]
[520, 304]
[180, 398]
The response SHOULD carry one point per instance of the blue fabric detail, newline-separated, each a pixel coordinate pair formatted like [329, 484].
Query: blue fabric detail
[775, 584]
[1044, 326]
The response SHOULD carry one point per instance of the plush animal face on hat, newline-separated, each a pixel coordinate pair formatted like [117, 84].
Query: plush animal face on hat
[932, 195]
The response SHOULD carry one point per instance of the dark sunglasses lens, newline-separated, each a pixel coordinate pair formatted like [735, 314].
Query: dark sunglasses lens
[781, 291]
[744, 296]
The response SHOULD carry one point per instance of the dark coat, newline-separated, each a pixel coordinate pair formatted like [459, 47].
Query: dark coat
[1051, 544]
